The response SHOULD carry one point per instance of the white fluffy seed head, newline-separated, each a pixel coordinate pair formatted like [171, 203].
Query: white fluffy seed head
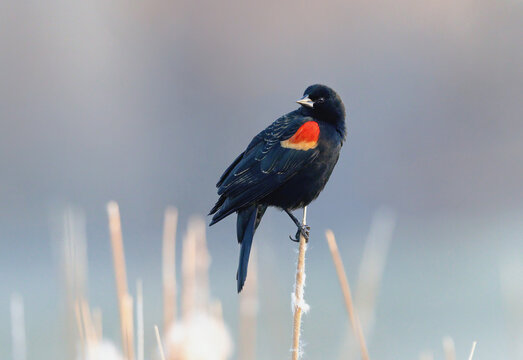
[200, 337]
[103, 350]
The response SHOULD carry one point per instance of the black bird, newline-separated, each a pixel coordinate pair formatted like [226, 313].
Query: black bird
[286, 165]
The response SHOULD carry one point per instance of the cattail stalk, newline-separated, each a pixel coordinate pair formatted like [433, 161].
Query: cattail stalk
[159, 341]
[124, 299]
[18, 328]
[345, 288]
[127, 309]
[297, 297]
[372, 264]
[98, 323]
[472, 350]
[79, 323]
[188, 274]
[73, 246]
[203, 261]
[89, 330]
[370, 274]
[449, 348]
[168, 267]
[140, 353]
[426, 355]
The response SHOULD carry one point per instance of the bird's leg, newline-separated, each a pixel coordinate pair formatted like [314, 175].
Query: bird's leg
[302, 229]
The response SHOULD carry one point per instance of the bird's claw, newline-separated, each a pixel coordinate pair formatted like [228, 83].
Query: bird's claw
[304, 231]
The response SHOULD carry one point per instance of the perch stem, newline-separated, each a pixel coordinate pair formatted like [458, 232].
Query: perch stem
[298, 293]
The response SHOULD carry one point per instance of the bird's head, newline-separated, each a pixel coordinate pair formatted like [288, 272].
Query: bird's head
[323, 103]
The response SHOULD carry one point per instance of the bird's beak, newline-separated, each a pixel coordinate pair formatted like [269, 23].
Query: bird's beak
[305, 101]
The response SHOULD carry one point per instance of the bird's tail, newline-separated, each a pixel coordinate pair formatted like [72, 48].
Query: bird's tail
[246, 224]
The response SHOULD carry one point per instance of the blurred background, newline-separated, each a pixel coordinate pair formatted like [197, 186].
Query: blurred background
[146, 103]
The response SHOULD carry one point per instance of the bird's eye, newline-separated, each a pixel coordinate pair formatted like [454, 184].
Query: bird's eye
[320, 100]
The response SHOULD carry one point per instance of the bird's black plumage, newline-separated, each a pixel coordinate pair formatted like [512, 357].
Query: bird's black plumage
[286, 165]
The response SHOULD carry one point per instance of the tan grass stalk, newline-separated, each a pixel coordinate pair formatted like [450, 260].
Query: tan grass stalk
[472, 350]
[344, 283]
[80, 326]
[115, 229]
[139, 321]
[372, 265]
[249, 312]
[203, 260]
[370, 274]
[73, 250]
[216, 310]
[449, 348]
[297, 297]
[98, 323]
[188, 274]
[127, 305]
[89, 331]
[159, 341]
[18, 328]
[168, 267]
[426, 355]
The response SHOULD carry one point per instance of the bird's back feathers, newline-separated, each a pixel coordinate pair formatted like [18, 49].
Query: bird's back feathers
[263, 167]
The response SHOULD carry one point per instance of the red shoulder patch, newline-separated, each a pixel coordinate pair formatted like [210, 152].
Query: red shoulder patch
[305, 138]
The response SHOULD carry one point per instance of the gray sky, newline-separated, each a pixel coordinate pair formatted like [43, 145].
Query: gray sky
[146, 104]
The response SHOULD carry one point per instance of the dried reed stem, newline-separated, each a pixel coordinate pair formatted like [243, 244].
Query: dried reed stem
[159, 341]
[168, 267]
[127, 305]
[298, 302]
[188, 294]
[79, 324]
[139, 321]
[449, 348]
[371, 268]
[472, 350]
[124, 299]
[203, 260]
[216, 310]
[73, 246]
[18, 328]
[370, 275]
[249, 312]
[89, 330]
[345, 288]
[98, 323]
[426, 355]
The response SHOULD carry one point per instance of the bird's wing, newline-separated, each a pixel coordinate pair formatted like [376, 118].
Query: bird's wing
[273, 156]
[254, 142]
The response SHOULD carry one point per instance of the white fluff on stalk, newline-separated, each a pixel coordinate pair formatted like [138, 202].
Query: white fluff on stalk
[102, 350]
[200, 337]
[301, 303]
[18, 327]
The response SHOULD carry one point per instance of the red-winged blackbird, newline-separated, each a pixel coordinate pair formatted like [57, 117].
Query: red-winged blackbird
[286, 165]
